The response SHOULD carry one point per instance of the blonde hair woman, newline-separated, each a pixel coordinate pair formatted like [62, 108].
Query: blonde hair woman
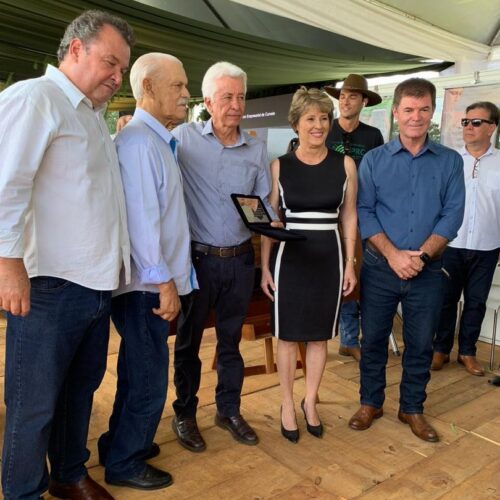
[316, 189]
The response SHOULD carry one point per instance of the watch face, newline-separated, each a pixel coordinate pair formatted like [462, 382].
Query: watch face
[425, 258]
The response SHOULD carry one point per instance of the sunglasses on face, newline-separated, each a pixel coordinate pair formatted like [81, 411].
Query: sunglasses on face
[475, 122]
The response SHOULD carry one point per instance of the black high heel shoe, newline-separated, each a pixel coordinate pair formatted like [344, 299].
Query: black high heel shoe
[292, 436]
[315, 430]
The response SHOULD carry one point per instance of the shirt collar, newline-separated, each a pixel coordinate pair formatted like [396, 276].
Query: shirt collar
[489, 151]
[395, 146]
[154, 124]
[209, 129]
[72, 92]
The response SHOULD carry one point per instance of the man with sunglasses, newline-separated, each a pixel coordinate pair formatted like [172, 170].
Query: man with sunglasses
[472, 256]
[354, 138]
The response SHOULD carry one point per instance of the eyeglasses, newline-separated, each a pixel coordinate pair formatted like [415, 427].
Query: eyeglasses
[475, 122]
[475, 168]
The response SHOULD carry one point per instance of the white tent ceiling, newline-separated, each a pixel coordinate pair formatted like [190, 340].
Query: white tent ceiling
[450, 30]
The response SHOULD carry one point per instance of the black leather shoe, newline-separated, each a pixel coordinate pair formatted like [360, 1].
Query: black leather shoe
[315, 430]
[293, 435]
[150, 479]
[188, 434]
[153, 452]
[238, 427]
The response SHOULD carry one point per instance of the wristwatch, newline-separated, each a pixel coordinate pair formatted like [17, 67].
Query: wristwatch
[425, 257]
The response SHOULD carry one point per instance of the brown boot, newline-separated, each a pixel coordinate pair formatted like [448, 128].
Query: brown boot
[471, 365]
[439, 359]
[355, 351]
[419, 426]
[363, 418]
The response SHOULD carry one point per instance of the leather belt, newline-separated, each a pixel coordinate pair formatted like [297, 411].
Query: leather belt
[222, 251]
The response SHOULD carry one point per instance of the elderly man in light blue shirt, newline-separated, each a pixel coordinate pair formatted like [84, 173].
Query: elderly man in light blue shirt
[161, 271]
[217, 158]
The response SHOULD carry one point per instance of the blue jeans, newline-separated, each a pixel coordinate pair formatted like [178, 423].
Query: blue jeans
[349, 324]
[226, 285]
[421, 298]
[471, 272]
[55, 360]
[141, 387]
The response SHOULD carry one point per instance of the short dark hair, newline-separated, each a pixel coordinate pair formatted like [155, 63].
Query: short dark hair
[488, 106]
[87, 27]
[414, 87]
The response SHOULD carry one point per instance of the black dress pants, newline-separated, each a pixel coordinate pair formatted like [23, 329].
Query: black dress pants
[226, 285]
[471, 272]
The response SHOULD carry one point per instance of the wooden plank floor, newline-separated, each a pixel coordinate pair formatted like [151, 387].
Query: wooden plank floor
[384, 462]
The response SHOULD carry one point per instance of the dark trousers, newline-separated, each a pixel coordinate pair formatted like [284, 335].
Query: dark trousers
[55, 360]
[141, 389]
[420, 297]
[226, 285]
[471, 272]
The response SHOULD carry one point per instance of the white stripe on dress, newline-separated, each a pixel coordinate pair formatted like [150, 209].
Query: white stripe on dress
[341, 273]
[341, 264]
[310, 215]
[282, 195]
[276, 292]
[312, 227]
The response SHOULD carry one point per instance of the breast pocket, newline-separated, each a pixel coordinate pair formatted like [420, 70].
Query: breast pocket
[492, 181]
[240, 177]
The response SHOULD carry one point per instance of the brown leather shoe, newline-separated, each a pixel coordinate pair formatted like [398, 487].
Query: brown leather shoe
[471, 365]
[188, 434]
[355, 352]
[85, 489]
[363, 418]
[439, 359]
[238, 427]
[419, 426]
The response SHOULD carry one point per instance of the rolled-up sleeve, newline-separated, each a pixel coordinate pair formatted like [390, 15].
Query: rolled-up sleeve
[141, 179]
[25, 134]
[369, 224]
[452, 213]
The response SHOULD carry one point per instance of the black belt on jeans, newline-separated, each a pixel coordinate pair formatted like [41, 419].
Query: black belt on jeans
[222, 251]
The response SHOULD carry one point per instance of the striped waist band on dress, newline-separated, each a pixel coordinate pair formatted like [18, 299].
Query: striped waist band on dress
[313, 221]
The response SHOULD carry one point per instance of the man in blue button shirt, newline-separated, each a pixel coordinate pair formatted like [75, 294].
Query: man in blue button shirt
[410, 204]
[217, 158]
[161, 271]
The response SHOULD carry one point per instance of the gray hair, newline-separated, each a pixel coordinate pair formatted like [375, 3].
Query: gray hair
[148, 65]
[219, 70]
[87, 26]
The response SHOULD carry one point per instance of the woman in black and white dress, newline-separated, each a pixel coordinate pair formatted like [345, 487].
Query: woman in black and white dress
[316, 188]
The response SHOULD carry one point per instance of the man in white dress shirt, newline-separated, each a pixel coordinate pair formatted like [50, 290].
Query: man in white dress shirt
[63, 241]
[472, 256]
[161, 270]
